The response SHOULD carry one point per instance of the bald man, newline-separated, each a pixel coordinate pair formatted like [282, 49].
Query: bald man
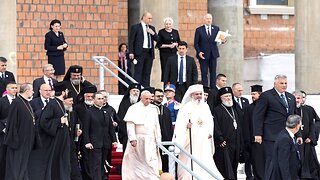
[207, 50]
[141, 48]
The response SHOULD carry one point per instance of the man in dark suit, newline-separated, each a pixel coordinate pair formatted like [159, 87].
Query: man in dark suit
[36, 156]
[207, 50]
[47, 78]
[5, 76]
[5, 101]
[141, 48]
[98, 135]
[181, 71]
[286, 163]
[237, 91]
[39, 103]
[270, 114]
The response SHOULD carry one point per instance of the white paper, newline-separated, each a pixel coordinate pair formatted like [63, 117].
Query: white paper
[222, 35]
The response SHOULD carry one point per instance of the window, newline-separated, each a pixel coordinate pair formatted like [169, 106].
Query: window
[272, 2]
[281, 7]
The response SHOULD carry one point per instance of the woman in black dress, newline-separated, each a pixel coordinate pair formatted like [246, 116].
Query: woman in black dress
[55, 44]
[169, 39]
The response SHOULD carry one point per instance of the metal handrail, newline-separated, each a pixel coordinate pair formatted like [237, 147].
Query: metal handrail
[100, 60]
[171, 154]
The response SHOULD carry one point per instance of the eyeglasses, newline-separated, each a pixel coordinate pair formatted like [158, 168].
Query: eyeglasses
[159, 96]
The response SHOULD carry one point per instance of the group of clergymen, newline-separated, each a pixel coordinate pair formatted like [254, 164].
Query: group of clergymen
[66, 130]
[48, 126]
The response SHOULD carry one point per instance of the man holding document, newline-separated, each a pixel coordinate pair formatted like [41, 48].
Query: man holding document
[205, 44]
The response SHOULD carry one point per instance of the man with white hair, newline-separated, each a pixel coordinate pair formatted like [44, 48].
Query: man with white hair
[207, 50]
[141, 159]
[195, 120]
[311, 167]
[47, 78]
[130, 97]
[270, 114]
[227, 134]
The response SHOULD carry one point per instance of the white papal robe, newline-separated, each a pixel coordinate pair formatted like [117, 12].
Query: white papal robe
[143, 161]
[202, 146]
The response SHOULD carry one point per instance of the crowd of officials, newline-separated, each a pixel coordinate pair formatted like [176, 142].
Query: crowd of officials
[61, 130]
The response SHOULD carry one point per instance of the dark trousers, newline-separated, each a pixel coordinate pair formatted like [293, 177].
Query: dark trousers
[248, 168]
[268, 149]
[163, 60]
[75, 170]
[181, 89]
[258, 161]
[95, 161]
[165, 161]
[142, 69]
[210, 64]
[3, 150]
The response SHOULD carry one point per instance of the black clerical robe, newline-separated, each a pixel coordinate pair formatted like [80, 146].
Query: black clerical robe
[20, 139]
[80, 109]
[255, 151]
[227, 158]
[4, 110]
[122, 132]
[74, 146]
[310, 165]
[74, 90]
[56, 141]
[166, 132]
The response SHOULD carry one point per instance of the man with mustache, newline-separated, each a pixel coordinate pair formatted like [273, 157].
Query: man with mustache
[227, 134]
[131, 97]
[74, 80]
[195, 120]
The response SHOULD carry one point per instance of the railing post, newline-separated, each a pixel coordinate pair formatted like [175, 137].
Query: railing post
[101, 74]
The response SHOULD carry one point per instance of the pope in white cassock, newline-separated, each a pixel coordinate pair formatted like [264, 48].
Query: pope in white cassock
[141, 159]
[194, 108]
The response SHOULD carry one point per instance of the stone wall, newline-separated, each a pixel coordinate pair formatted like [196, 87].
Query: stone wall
[91, 27]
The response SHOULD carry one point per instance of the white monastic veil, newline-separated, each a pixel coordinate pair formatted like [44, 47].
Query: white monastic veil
[187, 96]
[201, 149]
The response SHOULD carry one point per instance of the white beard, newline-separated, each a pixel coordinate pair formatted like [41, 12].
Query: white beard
[76, 81]
[133, 99]
[228, 103]
[196, 102]
[298, 105]
[89, 103]
[68, 108]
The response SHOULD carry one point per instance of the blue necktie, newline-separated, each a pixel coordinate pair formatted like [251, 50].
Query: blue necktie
[296, 146]
[284, 102]
[208, 32]
[149, 38]
[181, 71]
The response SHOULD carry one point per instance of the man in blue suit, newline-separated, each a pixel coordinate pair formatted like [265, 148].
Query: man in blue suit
[207, 50]
[141, 48]
[270, 115]
[286, 163]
